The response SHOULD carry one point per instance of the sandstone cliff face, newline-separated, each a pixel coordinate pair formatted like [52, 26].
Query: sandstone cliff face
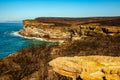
[53, 29]
[44, 30]
[88, 67]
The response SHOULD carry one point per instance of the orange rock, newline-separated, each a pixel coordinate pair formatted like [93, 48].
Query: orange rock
[88, 67]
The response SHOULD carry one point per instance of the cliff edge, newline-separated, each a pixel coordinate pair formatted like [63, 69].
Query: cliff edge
[102, 42]
[70, 28]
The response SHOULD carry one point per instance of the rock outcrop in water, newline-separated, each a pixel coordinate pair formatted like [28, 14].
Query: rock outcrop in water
[70, 28]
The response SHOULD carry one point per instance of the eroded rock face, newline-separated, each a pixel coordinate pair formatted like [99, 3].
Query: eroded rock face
[88, 67]
[32, 63]
[69, 28]
[46, 31]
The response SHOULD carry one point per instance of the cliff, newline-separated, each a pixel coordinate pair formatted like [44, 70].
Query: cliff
[70, 28]
[102, 42]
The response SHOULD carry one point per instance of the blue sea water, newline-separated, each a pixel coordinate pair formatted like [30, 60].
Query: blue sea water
[10, 42]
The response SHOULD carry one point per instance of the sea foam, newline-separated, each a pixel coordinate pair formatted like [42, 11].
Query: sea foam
[16, 33]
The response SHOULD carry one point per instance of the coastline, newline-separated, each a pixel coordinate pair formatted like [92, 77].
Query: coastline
[17, 34]
[95, 52]
[29, 61]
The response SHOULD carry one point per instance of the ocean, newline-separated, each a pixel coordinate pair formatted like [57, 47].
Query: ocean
[10, 41]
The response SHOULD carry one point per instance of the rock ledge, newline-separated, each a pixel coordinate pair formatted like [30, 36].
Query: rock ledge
[88, 67]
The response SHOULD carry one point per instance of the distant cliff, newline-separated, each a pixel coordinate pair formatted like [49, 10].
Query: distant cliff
[70, 28]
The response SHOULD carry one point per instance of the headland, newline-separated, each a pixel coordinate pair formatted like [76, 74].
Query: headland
[90, 51]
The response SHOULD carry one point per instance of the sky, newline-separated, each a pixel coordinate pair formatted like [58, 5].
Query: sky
[14, 10]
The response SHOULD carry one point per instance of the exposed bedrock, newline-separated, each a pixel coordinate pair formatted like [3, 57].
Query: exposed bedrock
[88, 67]
[56, 62]
[66, 29]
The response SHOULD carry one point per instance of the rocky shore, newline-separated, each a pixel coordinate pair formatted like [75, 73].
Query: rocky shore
[70, 28]
[95, 57]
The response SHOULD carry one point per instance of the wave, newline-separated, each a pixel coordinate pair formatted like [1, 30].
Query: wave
[16, 33]
[11, 33]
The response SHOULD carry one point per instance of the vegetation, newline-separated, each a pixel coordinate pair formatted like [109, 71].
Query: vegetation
[109, 21]
[35, 58]
[108, 46]
[33, 61]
